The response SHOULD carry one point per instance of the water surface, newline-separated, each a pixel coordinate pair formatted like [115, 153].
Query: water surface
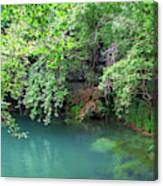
[90, 152]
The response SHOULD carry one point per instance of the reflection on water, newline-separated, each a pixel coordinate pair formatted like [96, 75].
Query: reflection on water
[60, 151]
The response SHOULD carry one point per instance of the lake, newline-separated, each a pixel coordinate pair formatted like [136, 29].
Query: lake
[90, 151]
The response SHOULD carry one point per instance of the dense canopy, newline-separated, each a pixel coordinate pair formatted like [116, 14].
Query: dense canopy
[79, 61]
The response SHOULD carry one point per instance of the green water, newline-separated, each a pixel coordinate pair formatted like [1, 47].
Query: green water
[60, 151]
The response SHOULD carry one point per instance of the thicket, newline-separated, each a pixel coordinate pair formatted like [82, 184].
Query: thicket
[112, 47]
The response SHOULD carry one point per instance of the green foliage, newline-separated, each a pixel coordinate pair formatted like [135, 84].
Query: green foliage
[32, 32]
[131, 74]
[126, 78]
[73, 115]
[45, 92]
[142, 115]
[8, 121]
[14, 57]
[14, 60]
[41, 44]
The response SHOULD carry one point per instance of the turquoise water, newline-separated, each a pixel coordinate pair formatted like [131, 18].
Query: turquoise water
[90, 152]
